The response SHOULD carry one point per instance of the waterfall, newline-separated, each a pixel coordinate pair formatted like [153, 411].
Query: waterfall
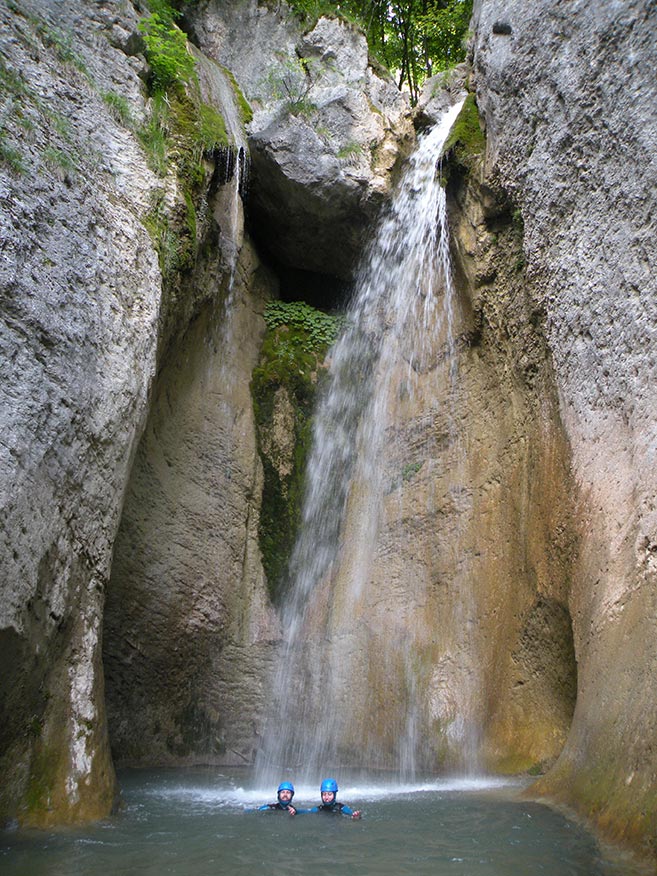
[403, 307]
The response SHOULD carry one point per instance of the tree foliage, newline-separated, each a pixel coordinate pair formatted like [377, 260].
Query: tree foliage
[166, 51]
[412, 38]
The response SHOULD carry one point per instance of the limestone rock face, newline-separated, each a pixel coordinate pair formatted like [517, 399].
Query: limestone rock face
[92, 292]
[188, 623]
[79, 298]
[326, 133]
[568, 95]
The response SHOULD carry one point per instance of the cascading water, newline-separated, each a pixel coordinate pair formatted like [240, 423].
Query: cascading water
[234, 173]
[343, 646]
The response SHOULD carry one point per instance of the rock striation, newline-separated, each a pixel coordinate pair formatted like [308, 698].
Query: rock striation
[80, 301]
[107, 258]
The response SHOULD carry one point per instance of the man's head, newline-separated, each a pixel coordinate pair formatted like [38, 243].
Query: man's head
[285, 792]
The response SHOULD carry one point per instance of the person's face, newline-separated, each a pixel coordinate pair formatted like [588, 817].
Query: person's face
[285, 795]
[328, 796]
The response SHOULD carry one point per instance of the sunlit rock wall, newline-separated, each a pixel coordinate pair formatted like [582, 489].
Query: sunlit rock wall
[102, 271]
[568, 94]
[80, 294]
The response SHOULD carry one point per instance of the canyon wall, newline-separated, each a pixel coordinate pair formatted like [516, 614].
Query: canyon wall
[516, 539]
[80, 304]
[568, 94]
[115, 259]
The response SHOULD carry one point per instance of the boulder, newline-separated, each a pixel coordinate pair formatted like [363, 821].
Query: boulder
[326, 134]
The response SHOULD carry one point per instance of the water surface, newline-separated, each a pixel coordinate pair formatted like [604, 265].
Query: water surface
[195, 823]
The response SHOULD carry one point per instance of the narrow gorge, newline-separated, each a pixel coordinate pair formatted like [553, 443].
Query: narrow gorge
[186, 255]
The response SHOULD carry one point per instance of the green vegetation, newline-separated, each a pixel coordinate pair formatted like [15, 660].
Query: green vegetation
[166, 49]
[181, 124]
[349, 150]
[119, 107]
[291, 80]
[61, 43]
[410, 469]
[175, 250]
[153, 135]
[314, 331]
[291, 362]
[211, 132]
[246, 113]
[11, 157]
[42, 781]
[12, 83]
[58, 159]
[466, 136]
[180, 133]
[412, 38]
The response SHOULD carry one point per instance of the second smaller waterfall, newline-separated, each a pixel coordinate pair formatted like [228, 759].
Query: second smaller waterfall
[326, 708]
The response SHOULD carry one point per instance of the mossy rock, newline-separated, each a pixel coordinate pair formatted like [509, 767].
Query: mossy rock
[291, 367]
[466, 140]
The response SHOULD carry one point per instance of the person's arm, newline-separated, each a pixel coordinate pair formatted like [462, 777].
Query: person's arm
[347, 810]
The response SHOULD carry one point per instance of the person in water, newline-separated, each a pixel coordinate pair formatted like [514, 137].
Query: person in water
[329, 805]
[285, 794]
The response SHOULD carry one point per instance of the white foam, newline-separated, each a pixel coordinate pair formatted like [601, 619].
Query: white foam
[231, 796]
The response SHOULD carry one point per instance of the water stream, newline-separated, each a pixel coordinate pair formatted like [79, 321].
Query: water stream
[400, 322]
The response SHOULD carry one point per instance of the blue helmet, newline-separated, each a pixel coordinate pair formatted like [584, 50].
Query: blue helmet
[329, 785]
[285, 786]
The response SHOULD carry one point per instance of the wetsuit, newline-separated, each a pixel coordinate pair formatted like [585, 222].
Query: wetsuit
[285, 807]
[333, 809]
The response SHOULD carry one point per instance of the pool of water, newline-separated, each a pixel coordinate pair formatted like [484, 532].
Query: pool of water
[197, 823]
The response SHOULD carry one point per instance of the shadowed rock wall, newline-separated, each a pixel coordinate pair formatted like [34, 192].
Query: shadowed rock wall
[188, 622]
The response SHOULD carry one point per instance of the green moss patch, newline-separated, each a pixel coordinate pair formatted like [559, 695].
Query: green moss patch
[246, 113]
[466, 137]
[289, 372]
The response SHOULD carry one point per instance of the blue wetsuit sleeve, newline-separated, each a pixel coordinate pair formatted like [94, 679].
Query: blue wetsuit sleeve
[262, 808]
[347, 810]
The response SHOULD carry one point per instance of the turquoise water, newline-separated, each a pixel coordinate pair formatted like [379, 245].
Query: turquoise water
[194, 823]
